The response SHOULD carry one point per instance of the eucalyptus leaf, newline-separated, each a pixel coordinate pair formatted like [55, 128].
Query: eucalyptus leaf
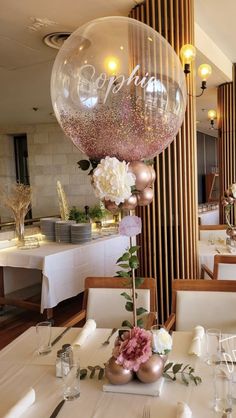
[84, 164]
[134, 248]
[101, 373]
[124, 257]
[122, 273]
[134, 262]
[92, 374]
[127, 324]
[176, 368]
[83, 373]
[126, 296]
[140, 311]
[139, 281]
[184, 379]
[140, 323]
[168, 366]
[129, 306]
[124, 266]
[167, 376]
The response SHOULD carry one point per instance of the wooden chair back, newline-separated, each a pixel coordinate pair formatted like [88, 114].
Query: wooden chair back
[223, 259]
[210, 228]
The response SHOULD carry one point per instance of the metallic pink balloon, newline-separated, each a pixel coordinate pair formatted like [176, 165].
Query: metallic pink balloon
[145, 197]
[114, 95]
[142, 173]
[111, 206]
[153, 173]
[131, 203]
[151, 370]
[116, 374]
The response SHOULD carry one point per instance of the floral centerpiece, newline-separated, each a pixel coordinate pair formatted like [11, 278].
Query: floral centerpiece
[229, 202]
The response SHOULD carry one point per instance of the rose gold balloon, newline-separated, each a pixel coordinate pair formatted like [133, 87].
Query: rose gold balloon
[145, 197]
[224, 202]
[130, 203]
[152, 370]
[142, 174]
[230, 200]
[153, 173]
[116, 374]
[111, 206]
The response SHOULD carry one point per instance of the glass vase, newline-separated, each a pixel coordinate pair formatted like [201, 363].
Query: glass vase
[20, 229]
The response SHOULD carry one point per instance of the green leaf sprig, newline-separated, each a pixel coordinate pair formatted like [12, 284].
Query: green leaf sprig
[171, 370]
[128, 261]
[92, 370]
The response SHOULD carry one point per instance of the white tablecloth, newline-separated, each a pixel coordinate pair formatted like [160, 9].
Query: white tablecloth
[210, 217]
[65, 266]
[206, 253]
[21, 369]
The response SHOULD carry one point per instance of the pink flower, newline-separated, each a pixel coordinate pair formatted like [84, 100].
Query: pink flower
[134, 350]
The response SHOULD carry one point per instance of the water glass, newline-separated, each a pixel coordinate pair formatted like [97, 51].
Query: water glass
[213, 354]
[222, 390]
[71, 379]
[44, 333]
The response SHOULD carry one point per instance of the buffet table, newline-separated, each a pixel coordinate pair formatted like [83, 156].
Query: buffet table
[65, 266]
[22, 368]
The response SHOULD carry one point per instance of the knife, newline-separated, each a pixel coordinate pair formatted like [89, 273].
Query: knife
[60, 336]
[57, 409]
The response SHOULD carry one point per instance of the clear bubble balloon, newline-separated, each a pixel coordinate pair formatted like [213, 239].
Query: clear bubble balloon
[118, 89]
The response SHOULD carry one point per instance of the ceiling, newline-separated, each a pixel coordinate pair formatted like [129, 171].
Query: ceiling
[26, 62]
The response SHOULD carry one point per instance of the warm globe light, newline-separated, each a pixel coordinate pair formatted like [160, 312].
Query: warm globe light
[204, 71]
[212, 114]
[111, 64]
[188, 53]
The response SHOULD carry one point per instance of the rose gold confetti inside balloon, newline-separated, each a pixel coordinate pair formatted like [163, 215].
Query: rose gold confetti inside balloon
[118, 89]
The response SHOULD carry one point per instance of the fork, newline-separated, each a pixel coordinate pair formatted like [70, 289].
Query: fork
[146, 412]
[107, 341]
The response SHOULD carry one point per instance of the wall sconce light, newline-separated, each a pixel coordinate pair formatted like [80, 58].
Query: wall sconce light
[188, 54]
[212, 115]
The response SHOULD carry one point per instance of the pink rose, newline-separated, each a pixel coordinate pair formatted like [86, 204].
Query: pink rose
[134, 350]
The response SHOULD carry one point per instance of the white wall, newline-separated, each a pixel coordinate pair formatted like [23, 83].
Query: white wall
[52, 157]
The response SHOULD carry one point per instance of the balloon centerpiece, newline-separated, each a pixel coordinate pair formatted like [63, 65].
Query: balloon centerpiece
[229, 202]
[119, 93]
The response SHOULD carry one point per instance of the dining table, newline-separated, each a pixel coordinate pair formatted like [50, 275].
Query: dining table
[207, 252]
[22, 368]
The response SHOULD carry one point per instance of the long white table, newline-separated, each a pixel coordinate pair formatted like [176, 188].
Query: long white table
[21, 369]
[65, 266]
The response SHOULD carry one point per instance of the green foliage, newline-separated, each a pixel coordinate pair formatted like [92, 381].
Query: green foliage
[129, 261]
[186, 373]
[77, 215]
[96, 213]
[92, 369]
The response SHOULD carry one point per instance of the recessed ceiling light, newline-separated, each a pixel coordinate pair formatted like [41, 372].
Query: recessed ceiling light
[56, 39]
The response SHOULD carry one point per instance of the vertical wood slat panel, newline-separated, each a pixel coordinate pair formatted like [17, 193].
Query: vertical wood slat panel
[169, 237]
[227, 137]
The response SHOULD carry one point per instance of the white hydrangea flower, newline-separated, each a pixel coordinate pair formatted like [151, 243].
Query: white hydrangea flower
[233, 189]
[162, 341]
[112, 181]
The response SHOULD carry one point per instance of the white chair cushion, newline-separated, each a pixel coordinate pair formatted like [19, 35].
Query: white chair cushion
[107, 306]
[209, 309]
[227, 271]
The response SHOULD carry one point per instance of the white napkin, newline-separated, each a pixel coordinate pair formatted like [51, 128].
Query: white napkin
[196, 344]
[136, 388]
[183, 410]
[22, 405]
[87, 330]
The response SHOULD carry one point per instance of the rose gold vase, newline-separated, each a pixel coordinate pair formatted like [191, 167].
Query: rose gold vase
[116, 374]
[152, 370]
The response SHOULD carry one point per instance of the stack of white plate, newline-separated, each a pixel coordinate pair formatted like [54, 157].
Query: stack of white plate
[81, 233]
[63, 231]
[47, 226]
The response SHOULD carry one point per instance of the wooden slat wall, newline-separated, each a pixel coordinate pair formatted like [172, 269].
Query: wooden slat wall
[226, 136]
[169, 237]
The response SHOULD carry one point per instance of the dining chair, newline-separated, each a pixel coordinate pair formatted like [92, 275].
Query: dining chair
[215, 232]
[210, 303]
[102, 301]
[224, 268]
